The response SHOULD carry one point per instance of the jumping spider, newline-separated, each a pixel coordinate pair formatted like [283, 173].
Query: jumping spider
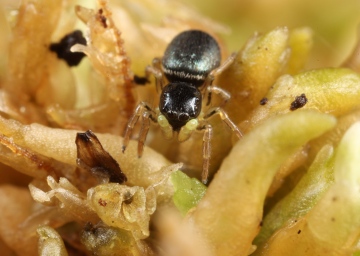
[190, 64]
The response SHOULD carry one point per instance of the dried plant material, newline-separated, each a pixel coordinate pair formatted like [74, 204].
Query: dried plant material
[105, 240]
[106, 52]
[62, 48]
[42, 140]
[332, 226]
[64, 195]
[16, 204]
[32, 163]
[299, 102]
[23, 159]
[103, 117]
[106, 97]
[50, 242]
[139, 216]
[92, 157]
[245, 176]
[5, 35]
[26, 76]
[35, 78]
[124, 207]
[188, 192]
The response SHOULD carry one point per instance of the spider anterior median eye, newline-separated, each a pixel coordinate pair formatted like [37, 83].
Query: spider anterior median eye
[183, 117]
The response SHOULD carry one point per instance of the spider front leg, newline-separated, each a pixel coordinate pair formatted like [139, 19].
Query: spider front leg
[208, 134]
[217, 90]
[226, 119]
[144, 110]
[206, 151]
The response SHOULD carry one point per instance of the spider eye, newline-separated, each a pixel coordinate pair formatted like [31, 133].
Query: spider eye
[183, 117]
[171, 115]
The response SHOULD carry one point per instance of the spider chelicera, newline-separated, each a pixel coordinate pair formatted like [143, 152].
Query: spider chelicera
[190, 64]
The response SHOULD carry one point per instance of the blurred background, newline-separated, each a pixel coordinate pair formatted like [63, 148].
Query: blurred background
[335, 23]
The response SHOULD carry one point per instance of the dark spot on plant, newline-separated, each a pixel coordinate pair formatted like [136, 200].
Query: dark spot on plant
[128, 198]
[102, 202]
[62, 49]
[263, 101]
[141, 80]
[102, 18]
[299, 102]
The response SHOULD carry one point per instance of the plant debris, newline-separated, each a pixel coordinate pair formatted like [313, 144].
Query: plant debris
[92, 157]
[299, 102]
[62, 49]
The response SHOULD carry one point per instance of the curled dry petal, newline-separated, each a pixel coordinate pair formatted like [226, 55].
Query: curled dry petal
[106, 52]
[124, 207]
[68, 197]
[92, 156]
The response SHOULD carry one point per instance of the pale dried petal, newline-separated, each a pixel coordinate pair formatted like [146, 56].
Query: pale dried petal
[50, 242]
[123, 207]
[69, 198]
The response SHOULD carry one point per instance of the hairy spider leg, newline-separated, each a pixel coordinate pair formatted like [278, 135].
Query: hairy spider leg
[206, 151]
[211, 77]
[155, 70]
[144, 110]
[217, 90]
[225, 118]
[208, 134]
[143, 132]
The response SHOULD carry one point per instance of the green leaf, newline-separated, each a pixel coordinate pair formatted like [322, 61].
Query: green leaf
[188, 191]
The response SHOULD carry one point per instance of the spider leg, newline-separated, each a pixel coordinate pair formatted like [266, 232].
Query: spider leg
[143, 132]
[211, 77]
[155, 70]
[217, 90]
[144, 110]
[226, 119]
[206, 151]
